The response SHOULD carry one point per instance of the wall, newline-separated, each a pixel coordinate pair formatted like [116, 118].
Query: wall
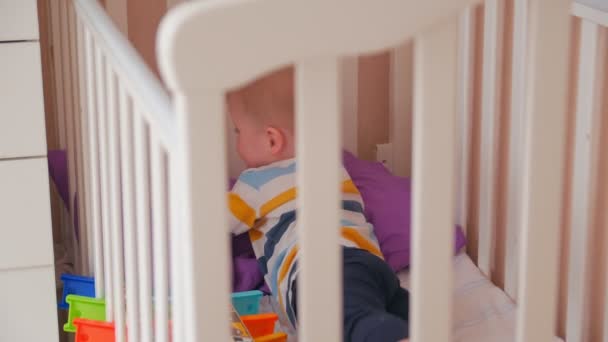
[373, 104]
[143, 19]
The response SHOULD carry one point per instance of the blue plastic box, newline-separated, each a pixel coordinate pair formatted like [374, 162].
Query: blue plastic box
[76, 285]
[247, 303]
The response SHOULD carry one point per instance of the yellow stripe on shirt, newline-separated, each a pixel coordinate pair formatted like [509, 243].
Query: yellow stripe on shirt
[277, 201]
[349, 187]
[255, 235]
[287, 263]
[241, 210]
[351, 234]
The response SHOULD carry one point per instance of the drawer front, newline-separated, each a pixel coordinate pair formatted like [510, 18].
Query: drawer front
[28, 311]
[26, 237]
[18, 20]
[22, 130]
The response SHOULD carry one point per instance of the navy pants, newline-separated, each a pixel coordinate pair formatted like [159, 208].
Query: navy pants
[376, 308]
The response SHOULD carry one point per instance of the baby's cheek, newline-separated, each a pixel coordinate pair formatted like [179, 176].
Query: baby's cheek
[244, 151]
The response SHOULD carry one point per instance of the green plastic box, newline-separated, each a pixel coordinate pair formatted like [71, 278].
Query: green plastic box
[84, 307]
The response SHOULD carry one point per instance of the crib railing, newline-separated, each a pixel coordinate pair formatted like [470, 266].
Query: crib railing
[502, 115]
[192, 46]
[146, 193]
[119, 133]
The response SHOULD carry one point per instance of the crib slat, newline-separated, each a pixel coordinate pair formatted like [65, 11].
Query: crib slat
[349, 75]
[71, 95]
[606, 314]
[543, 175]
[320, 299]
[86, 238]
[58, 69]
[68, 123]
[80, 145]
[75, 80]
[93, 181]
[159, 234]
[516, 146]
[56, 24]
[490, 111]
[101, 117]
[177, 289]
[401, 108]
[176, 257]
[115, 225]
[584, 180]
[71, 107]
[129, 224]
[142, 191]
[465, 110]
[605, 223]
[75, 102]
[201, 165]
[433, 193]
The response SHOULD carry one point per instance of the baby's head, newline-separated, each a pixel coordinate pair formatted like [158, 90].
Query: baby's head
[263, 114]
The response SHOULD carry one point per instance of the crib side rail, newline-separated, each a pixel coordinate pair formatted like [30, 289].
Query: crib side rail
[500, 252]
[120, 138]
[135, 74]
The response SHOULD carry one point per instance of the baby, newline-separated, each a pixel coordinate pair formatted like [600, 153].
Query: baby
[263, 203]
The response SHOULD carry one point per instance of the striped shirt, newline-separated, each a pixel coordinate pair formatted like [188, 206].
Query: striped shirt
[262, 202]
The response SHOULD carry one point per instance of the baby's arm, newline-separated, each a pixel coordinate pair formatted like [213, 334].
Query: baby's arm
[242, 207]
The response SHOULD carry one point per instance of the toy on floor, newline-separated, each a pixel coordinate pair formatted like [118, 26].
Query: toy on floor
[240, 333]
[93, 331]
[86, 315]
[247, 303]
[261, 324]
[84, 307]
[76, 285]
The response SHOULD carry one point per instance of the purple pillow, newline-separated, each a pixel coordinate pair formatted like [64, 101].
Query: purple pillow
[387, 201]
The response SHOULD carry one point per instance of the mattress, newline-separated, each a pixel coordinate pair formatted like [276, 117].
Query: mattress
[482, 312]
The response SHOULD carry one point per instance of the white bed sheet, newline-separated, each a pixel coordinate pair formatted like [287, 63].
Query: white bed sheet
[482, 312]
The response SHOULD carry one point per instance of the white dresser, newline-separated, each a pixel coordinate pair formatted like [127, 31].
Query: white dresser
[27, 286]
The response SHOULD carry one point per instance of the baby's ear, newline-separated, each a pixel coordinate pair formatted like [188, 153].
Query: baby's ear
[276, 140]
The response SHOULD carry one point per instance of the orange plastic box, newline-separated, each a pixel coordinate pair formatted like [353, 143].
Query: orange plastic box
[260, 325]
[93, 331]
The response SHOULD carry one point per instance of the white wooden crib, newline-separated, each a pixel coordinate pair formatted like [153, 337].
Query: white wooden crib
[151, 168]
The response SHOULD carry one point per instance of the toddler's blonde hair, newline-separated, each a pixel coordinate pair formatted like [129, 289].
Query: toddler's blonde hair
[269, 99]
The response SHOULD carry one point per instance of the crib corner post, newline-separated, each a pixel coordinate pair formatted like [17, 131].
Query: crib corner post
[201, 166]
